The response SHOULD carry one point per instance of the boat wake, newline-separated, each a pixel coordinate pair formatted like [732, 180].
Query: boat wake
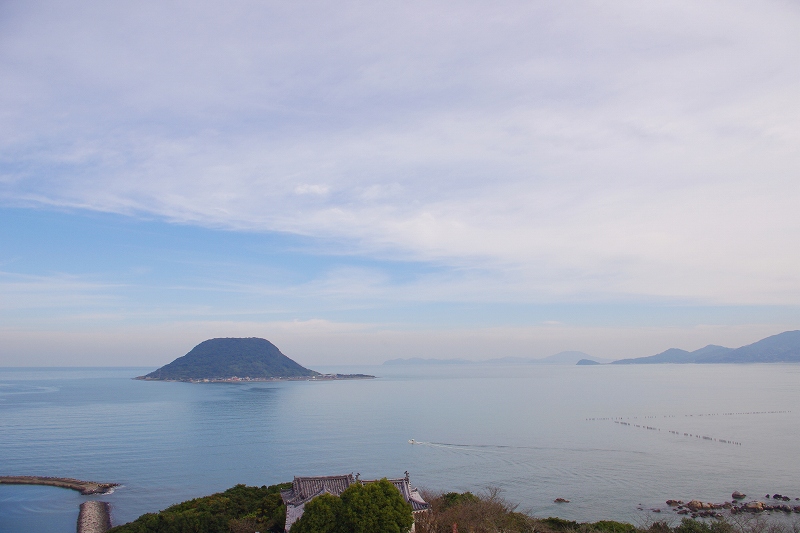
[504, 447]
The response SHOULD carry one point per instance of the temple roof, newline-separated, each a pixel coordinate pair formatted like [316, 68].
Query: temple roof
[306, 488]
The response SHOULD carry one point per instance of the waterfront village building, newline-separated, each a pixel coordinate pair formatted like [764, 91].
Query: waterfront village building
[305, 489]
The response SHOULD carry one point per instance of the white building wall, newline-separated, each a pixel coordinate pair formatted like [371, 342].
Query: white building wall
[293, 514]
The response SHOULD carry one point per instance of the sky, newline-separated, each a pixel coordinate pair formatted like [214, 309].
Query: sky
[361, 181]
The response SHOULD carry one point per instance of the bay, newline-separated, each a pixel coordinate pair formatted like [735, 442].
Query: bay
[611, 439]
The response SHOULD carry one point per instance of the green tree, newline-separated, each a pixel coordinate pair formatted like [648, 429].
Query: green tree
[372, 508]
[376, 507]
[320, 515]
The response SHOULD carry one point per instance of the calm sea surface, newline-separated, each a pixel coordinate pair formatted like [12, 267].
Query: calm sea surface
[536, 432]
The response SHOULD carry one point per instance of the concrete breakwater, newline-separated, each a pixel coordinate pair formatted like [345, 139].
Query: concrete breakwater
[94, 517]
[84, 487]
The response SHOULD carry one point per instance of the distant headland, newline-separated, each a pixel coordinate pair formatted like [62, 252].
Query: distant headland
[561, 358]
[781, 348]
[231, 360]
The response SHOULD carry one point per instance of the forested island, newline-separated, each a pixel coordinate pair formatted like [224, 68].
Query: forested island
[235, 360]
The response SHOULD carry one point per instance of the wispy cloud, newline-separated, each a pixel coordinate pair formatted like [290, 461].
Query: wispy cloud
[528, 151]
[307, 188]
[28, 292]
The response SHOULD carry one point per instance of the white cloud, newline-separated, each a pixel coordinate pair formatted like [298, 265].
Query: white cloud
[626, 149]
[58, 291]
[316, 189]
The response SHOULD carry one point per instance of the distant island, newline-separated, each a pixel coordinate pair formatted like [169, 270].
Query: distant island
[561, 358]
[236, 360]
[781, 348]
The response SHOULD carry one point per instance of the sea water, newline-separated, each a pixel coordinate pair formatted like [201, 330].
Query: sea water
[617, 441]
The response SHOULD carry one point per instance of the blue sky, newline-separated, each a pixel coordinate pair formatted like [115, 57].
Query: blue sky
[358, 182]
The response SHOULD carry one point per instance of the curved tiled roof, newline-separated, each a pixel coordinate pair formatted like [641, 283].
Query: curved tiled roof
[305, 488]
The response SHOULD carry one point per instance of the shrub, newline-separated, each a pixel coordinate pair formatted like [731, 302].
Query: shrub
[610, 526]
[487, 513]
[320, 515]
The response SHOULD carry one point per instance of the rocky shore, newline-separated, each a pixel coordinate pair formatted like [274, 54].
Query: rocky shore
[701, 509]
[84, 487]
[94, 517]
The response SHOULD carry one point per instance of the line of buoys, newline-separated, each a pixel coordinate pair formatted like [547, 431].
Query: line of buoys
[703, 437]
[689, 415]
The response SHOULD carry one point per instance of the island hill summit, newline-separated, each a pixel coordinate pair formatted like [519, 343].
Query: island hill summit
[236, 359]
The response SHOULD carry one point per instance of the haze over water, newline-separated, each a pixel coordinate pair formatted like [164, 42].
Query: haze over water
[536, 432]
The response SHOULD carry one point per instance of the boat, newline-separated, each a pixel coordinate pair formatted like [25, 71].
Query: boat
[412, 441]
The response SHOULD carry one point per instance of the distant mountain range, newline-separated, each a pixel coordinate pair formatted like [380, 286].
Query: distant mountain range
[561, 358]
[781, 348]
[421, 361]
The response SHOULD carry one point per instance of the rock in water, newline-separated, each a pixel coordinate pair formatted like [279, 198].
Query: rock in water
[695, 505]
[754, 507]
[94, 517]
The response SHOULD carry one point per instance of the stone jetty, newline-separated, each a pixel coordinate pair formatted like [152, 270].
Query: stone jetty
[94, 517]
[84, 487]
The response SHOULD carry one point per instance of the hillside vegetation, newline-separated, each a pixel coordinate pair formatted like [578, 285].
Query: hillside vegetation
[243, 509]
[490, 513]
[220, 359]
[240, 509]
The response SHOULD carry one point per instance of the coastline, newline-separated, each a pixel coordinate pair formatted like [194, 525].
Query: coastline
[234, 379]
[84, 487]
[608, 474]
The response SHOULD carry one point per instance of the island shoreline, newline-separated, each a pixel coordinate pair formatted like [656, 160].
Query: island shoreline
[234, 379]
